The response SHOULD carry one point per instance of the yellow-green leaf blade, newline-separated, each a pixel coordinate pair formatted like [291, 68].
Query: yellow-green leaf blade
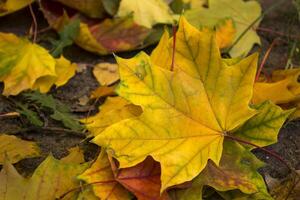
[146, 12]
[115, 109]
[228, 88]
[168, 135]
[185, 112]
[263, 128]
[22, 63]
[237, 172]
[14, 149]
[10, 6]
[51, 180]
[10, 182]
[243, 13]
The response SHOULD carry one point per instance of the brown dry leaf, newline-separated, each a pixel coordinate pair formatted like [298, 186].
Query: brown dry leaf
[102, 37]
[287, 188]
[103, 91]
[106, 73]
[143, 180]
[15, 149]
[91, 8]
[104, 184]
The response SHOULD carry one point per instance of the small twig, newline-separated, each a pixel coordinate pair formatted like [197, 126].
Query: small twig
[275, 155]
[265, 59]
[90, 109]
[9, 115]
[174, 47]
[44, 29]
[52, 129]
[34, 24]
[268, 30]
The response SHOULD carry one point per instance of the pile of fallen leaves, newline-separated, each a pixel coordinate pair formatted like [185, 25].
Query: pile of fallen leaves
[179, 123]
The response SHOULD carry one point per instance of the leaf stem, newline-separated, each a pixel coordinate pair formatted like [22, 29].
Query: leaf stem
[275, 155]
[35, 25]
[254, 22]
[268, 30]
[51, 129]
[266, 56]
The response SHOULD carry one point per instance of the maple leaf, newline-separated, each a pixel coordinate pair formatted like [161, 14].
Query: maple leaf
[10, 6]
[105, 186]
[173, 104]
[238, 10]
[162, 54]
[146, 12]
[98, 36]
[112, 111]
[15, 149]
[106, 73]
[237, 171]
[262, 129]
[284, 82]
[25, 65]
[50, 180]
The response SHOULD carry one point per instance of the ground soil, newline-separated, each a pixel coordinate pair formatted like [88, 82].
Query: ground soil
[283, 24]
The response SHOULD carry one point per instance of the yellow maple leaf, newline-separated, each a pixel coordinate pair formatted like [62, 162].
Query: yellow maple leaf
[106, 73]
[146, 12]
[112, 111]
[10, 6]
[25, 65]
[162, 54]
[51, 180]
[186, 113]
[15, 149]
[283, 82]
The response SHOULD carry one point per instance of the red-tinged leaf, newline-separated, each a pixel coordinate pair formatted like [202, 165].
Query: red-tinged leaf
[143, 180]
[95, 35]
